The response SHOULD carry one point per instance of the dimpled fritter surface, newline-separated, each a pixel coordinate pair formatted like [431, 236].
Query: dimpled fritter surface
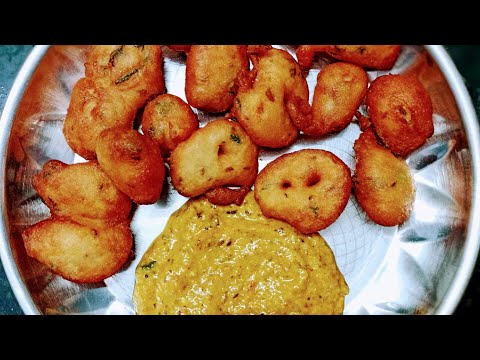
[268, 109]
[219, 154]
[308, 189]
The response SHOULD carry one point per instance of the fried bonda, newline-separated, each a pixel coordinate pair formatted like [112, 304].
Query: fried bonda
[308, 189]
[374, 57]
[265, 108]
[401, 112]
[135, 70]
[82, 193]
[180, 48]
[383, 184]
[133, 162]
[340, 89]
[77, 252]
[168, 120]
[211, 75]
[226, 196]
[219, 154]
[92, 109]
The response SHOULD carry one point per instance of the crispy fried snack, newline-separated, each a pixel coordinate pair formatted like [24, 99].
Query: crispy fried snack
[401, 112]
[180, 48]
[92, 109]
[211, 75]
[268, 108]
[133, 162]
[340, 90]
[308, 189]
[219, 154]
[226, 196]
[375, 57]
[382, 183]
[168, 120]
[77, 252]
[136, 70]
[82, 193]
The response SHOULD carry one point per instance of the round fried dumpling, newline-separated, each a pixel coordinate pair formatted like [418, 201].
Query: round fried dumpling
[267, 108]
[308, 189]
[92, 109]
[340, 90]
[401, 112]
[383, 184]
[375, 57]
[219, 154]
[211, 75]
[133, 162]
[168, 120]
[136, 70]
[82, 193]
[77, 252]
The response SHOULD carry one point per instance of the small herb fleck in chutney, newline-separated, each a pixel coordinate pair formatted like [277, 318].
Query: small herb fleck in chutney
[149, 265]
[314, 210]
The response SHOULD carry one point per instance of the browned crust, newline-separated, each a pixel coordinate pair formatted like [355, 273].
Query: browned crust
[168, 120]
[133, 162]
[82, 193]
[211, 75]
[375, 57]
[181, 157]
[226, 196]
[383, 184]
[44, 240]
[401, 112]
[308, 189]
[340, 89]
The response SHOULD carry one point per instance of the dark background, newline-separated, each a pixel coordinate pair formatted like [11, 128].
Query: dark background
[466, 57]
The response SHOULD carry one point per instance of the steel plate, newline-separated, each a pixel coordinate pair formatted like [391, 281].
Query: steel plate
[421, 267]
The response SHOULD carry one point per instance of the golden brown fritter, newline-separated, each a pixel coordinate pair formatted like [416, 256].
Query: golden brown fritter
[133, 162]
[219, 154]
[226, 196]
[77, 252]
[211, 75]
[401, 112]
[82, 193]
[93, 109]
[383, 184]
[308, 189]
[340, 90]
[375, 57]
[180, 48]
[135, 70]
[168, 120]
[268, 108]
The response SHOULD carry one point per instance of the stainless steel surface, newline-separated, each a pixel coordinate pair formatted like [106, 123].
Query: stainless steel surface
[422, 266]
